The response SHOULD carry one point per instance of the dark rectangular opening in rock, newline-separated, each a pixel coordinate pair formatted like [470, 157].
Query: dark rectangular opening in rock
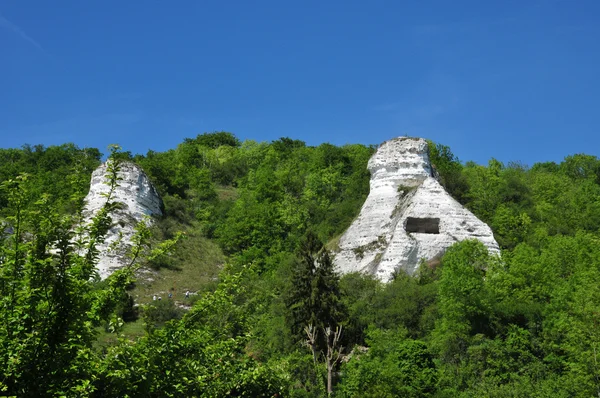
[423, 225]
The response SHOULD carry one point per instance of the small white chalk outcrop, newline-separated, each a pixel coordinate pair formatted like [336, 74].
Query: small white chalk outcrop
[407, 217]
[138, 199]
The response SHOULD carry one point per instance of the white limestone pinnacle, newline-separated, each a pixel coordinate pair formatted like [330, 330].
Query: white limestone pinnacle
[138, 198]
[403, 191]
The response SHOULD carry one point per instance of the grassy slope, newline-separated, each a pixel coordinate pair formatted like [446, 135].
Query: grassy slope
[196, 263]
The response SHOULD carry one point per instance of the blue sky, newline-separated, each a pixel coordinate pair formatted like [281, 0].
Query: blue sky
[514, 80]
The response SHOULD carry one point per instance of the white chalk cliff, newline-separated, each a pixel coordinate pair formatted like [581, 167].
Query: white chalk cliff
[407, 217]
[138, 199]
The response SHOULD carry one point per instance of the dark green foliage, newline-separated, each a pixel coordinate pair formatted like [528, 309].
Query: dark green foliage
[449, 170]
[405, 302]
[359, 295]
[286, 145]
[214, 140]
[314, 294]
[392, 366]
[168, 175]
[63, 172]
[161, 311]
[126, 308]
[463, 304]
[282, 195]
[581, 167]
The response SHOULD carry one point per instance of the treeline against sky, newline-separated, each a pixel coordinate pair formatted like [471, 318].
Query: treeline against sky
[523, 324]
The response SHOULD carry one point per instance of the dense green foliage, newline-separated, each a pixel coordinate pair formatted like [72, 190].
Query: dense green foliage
[524, 324]
[49, 306]
[63, 172]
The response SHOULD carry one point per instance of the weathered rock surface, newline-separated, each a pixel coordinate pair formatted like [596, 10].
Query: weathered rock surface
[408, 216]
[138, 199]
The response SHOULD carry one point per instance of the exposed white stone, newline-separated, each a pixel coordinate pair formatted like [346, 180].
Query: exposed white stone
[401, 188]
[138, 199]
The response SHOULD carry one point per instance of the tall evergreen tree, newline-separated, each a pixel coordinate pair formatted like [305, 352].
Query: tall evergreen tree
[314, 295]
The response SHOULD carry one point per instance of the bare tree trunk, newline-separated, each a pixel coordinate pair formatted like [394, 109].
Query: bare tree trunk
[334, 354]
[311, 342]
[334, 351]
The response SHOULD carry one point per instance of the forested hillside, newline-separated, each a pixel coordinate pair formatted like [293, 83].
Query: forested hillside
[250, 230]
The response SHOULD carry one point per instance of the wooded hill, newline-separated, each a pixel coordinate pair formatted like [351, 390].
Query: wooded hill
[248, 230]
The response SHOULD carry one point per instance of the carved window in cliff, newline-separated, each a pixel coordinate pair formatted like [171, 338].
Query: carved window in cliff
[423, 225]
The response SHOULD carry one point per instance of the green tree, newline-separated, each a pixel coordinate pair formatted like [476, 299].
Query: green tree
[314, 294]
[316, 312]
[63, 172]
[49, 307]
[449, 169]
[463, 303]
[215, 140]
[203, 355]
[392, 366]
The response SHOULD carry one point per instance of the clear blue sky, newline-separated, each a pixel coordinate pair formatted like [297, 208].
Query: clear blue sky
[514, 80]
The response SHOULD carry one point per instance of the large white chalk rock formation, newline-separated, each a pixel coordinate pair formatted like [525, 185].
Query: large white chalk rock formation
[407, 217]
[138, 199]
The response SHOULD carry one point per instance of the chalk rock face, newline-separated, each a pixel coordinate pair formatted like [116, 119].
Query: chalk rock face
[407, 217]
[138, 199]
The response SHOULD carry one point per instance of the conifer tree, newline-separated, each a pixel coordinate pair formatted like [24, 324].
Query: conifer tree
[314, 296]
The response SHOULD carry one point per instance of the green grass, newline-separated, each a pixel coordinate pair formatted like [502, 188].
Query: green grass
[334, 243]
[194, 265]
[130, 330]
[227, 192]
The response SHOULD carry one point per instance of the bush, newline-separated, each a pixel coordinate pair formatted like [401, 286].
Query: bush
[160, 312]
